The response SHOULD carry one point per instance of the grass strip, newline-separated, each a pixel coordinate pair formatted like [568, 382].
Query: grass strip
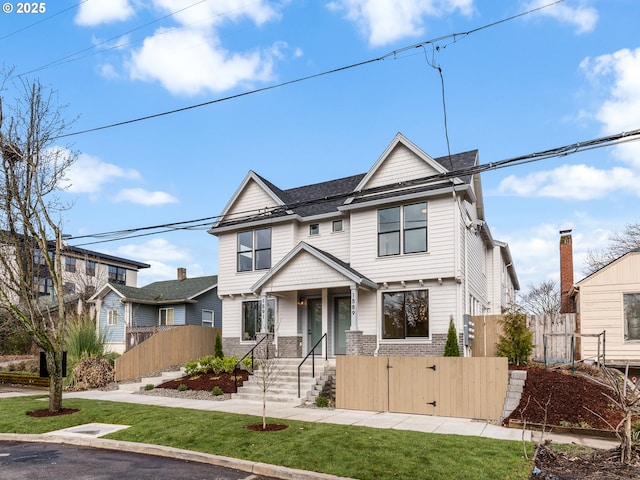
[358, 452]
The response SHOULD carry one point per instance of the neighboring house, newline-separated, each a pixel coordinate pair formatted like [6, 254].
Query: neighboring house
[83, 273]
[127, 315]
[608, 301]
[379, 262]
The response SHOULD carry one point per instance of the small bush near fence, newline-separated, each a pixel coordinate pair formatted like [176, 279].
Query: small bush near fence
[211, 364]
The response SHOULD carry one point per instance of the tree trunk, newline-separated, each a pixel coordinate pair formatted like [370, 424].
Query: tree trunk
[54, 366]
[626, 444]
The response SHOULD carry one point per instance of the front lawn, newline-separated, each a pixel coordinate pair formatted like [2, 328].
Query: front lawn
[357, 452]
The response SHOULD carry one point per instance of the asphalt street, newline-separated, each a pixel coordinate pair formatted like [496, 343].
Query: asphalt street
[39, 461]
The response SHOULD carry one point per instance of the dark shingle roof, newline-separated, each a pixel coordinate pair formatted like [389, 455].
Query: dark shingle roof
[168, 290]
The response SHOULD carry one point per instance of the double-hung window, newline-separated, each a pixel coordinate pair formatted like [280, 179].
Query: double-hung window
[70, 264]
[406, 314]
[112, 317]
[254, 250]
[90, 268]
[402, 229]
[207, 318]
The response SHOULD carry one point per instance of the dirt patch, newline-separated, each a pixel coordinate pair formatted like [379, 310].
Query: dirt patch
[552, 464]
[47, 413]
[208, 381]
[574, 400]
[269, 427]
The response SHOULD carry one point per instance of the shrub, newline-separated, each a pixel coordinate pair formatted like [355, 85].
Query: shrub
[218, 346]
[149, 386]
[217, 391]
[83, 340]
[190, 368]
[517, 342]
[451, 348]
[322, 402]
[182, 387]
[211, 364]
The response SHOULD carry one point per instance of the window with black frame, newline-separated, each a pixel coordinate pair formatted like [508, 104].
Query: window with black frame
[405, 314]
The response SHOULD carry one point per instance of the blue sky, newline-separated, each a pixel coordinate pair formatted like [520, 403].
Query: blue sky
[564, 74]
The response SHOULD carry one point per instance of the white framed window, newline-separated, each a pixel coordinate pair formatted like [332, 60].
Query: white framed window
[165, 316]
[112, 317]
[207, 318]
[631, 303]
[336, 226]
[314, 229]
[402, 229]
[70, 264]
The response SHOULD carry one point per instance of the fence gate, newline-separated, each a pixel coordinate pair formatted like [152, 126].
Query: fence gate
[443, 386]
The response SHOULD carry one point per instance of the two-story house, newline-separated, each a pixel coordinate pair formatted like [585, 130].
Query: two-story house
[378, 262]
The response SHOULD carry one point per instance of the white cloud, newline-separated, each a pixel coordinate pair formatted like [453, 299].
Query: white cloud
[583, 17]
[164, 257]
[581, 182]
[620, 112]
[385, 21]
[96, 12]
[190, 61]
[144, 197]
[89, 174]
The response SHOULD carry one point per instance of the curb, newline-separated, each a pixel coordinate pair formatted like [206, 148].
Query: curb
[256, 468]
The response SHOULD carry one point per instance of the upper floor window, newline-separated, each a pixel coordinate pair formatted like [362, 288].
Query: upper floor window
[70, 264]
[117, 275]
[402, 229]
[336, 226]
[45, 285]
[39, 258]
[314, 229]
[254, 250]
[90, 268]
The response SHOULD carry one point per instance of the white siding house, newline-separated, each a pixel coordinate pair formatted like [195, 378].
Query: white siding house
[378, 262]
[609, 301]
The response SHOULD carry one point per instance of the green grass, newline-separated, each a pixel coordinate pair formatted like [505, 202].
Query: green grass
[357, 452]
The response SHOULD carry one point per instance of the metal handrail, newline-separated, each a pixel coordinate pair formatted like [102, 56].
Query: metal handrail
[313, 359]
[250, 352]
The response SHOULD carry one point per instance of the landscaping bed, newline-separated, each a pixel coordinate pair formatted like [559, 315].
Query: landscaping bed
[207, 382]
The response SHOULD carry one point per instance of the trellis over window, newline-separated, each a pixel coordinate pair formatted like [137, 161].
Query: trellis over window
[406, 314]
[402, 229]
[254, 250]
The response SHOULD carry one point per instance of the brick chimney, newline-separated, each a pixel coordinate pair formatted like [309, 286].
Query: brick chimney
[182, 273]
[567, 304]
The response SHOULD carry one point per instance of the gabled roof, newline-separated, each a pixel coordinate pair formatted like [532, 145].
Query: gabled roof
[607, 266]
[327, 197]
[164, 292]
[333, 262]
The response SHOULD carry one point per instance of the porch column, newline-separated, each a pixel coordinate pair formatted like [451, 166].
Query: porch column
[354, 307]
[263, 313]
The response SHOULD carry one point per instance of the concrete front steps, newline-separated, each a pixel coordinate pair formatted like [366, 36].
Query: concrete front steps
[155, 380]
[284, 387]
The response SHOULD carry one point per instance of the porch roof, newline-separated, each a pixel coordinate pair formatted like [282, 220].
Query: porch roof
[326, 258]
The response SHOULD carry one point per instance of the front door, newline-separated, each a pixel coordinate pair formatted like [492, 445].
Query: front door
[314, 324]
[342, 323]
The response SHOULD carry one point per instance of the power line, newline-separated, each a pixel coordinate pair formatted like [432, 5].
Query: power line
[45, 19]
[201, 223]
[393, 54]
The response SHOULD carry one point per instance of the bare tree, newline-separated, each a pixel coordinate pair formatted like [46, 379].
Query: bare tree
[32, 172]
[619, 244]
[542, 299]
[269, 371]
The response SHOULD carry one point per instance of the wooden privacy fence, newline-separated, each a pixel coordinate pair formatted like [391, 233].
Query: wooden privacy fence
[443, 386]
[165, 349]
[558, 330]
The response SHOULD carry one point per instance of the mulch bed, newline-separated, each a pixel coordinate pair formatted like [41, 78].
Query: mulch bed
[569, 399]
[46, 413]
[207, 381]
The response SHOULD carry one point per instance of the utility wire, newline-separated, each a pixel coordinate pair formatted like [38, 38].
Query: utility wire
[43, 20]
[201, 223]
[393, 54]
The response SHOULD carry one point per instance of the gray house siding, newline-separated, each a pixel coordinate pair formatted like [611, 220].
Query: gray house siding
[144, 315]
[207, 301]
[113, 333]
